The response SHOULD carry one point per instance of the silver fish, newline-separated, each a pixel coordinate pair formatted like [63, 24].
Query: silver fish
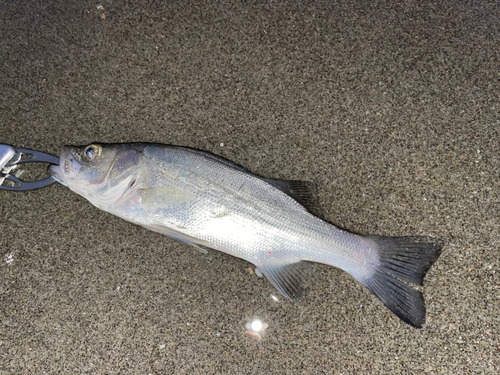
[210, 202]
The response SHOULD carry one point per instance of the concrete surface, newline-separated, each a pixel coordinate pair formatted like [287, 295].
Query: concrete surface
[391, 108]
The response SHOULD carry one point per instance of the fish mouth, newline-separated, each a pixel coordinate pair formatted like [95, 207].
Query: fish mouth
[59, 172]
[55, 171]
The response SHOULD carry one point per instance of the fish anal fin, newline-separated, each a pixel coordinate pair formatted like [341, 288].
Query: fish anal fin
[288, 278]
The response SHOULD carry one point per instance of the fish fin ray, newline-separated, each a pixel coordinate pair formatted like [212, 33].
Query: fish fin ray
[304, 192]
[200, 245]
[402, 260]
[288, 279]
[201, 249]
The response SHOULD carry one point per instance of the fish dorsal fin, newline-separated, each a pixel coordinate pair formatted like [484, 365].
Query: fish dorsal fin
[301, 191]
[220, 159]
[288, 278]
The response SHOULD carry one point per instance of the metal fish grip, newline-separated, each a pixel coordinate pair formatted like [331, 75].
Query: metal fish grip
[11, 158]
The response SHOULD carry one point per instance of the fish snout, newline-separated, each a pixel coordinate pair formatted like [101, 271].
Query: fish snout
[66, 162]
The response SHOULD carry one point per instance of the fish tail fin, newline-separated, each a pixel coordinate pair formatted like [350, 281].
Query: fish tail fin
[402, 261]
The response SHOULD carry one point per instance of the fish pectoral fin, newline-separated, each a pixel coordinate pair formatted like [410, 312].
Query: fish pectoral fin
[162, 196]
[288, 278]
[200, 245]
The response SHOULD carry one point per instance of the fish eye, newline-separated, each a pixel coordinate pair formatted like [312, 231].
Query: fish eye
[91, 152]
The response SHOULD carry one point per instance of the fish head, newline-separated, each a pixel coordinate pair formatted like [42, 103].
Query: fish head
[101, 173]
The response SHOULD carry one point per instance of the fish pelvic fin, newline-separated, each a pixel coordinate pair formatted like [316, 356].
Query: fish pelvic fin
[288, 278]
[200, 245]
[402, 261]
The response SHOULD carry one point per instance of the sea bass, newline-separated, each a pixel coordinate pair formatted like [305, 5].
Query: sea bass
[210, 202]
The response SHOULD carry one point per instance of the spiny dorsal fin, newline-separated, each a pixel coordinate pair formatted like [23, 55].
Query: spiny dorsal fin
[302, 191]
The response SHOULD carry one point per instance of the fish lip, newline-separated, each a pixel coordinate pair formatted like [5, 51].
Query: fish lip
[58, 171]
[54, 170]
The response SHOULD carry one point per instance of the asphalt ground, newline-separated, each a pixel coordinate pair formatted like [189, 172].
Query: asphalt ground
[390, 108]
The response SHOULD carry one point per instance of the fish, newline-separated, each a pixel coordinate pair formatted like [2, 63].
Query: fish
[207, 201]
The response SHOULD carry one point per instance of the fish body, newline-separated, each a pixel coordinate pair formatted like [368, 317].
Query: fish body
[207, 201]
